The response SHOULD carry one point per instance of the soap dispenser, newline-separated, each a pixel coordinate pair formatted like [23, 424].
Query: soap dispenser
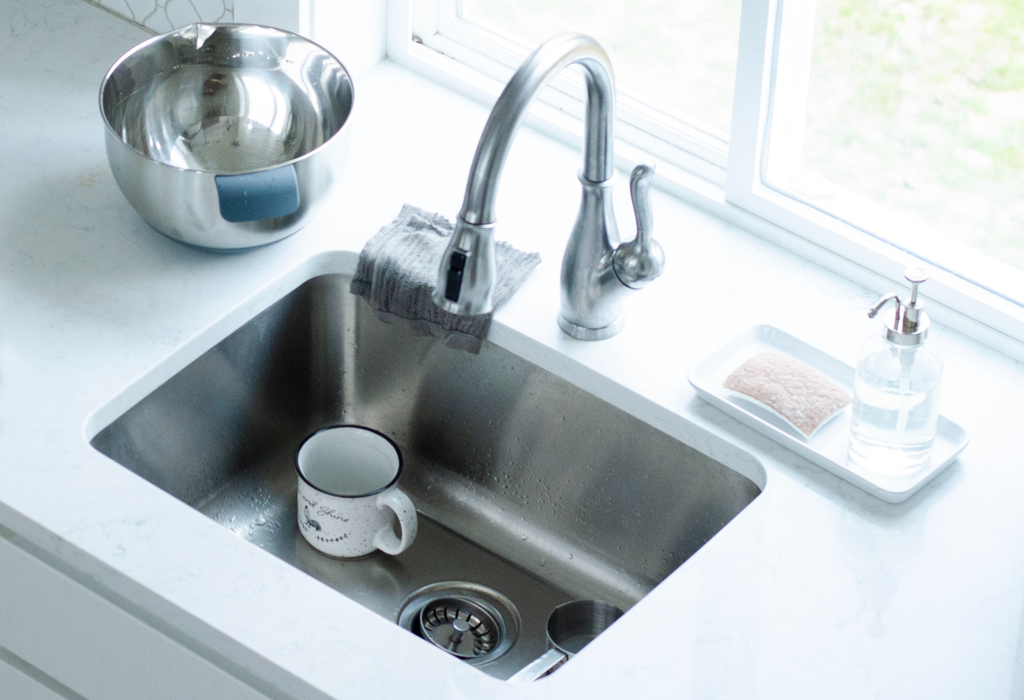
[896, 390]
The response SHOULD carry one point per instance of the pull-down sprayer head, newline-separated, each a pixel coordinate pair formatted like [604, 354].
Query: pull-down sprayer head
[467, 271]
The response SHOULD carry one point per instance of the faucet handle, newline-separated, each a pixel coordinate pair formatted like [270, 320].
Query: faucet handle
[640, 193]
[641, 260]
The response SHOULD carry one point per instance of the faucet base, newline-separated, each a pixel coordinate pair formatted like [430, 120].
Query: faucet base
[584, 333]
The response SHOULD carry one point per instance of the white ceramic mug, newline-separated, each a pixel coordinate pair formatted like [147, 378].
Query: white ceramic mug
[347, 493]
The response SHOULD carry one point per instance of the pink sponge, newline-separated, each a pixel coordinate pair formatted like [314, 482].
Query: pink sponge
[801, 395]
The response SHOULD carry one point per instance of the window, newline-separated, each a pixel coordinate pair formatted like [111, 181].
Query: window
[909, 123]
[679, 57]
[685, 120]
[885, 132]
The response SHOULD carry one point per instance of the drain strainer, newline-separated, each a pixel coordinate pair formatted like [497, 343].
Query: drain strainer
[471, 622]
[459, 626]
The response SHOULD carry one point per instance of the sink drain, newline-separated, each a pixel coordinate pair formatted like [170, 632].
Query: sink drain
[469, 621]
[459, 626]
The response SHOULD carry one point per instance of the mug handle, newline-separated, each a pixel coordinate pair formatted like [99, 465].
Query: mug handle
[385, 540]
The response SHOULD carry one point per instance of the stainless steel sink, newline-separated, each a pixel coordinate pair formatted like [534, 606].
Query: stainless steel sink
[524, 483]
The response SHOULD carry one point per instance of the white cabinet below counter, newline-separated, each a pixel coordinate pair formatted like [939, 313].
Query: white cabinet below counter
[54, 628]
[19, 681]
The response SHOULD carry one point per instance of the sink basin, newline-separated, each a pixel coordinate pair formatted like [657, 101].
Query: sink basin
[525, 484]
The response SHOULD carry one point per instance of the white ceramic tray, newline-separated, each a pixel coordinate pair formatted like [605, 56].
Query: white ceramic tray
[828, 447]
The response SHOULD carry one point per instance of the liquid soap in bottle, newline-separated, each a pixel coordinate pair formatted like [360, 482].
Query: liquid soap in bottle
[896, 390]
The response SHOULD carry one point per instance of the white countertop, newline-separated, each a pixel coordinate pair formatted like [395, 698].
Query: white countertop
[815, 590]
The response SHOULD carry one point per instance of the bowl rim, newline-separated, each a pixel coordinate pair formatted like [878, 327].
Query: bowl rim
[195, 27]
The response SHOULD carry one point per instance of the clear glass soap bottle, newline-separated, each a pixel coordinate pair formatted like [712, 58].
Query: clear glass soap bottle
[896, 390]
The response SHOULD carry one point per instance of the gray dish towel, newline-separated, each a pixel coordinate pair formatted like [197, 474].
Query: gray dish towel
[397, 272]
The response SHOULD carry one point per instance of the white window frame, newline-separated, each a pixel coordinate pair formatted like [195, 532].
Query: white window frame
[726, 178]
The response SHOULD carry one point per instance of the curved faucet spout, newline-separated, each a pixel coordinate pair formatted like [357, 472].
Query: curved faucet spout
[511, 108]
[595, 274]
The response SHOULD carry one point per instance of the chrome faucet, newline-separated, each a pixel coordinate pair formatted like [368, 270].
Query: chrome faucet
[597, 272]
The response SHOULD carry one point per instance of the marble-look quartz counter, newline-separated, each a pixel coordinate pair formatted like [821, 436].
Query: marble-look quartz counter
[815, 590]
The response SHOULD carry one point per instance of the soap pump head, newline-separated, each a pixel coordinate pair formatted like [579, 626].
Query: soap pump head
[909, 325]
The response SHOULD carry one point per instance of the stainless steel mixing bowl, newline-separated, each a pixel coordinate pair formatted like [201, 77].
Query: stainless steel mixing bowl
[227, 136]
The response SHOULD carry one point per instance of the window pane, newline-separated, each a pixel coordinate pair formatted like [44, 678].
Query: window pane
[918, 105]
[679, 56]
